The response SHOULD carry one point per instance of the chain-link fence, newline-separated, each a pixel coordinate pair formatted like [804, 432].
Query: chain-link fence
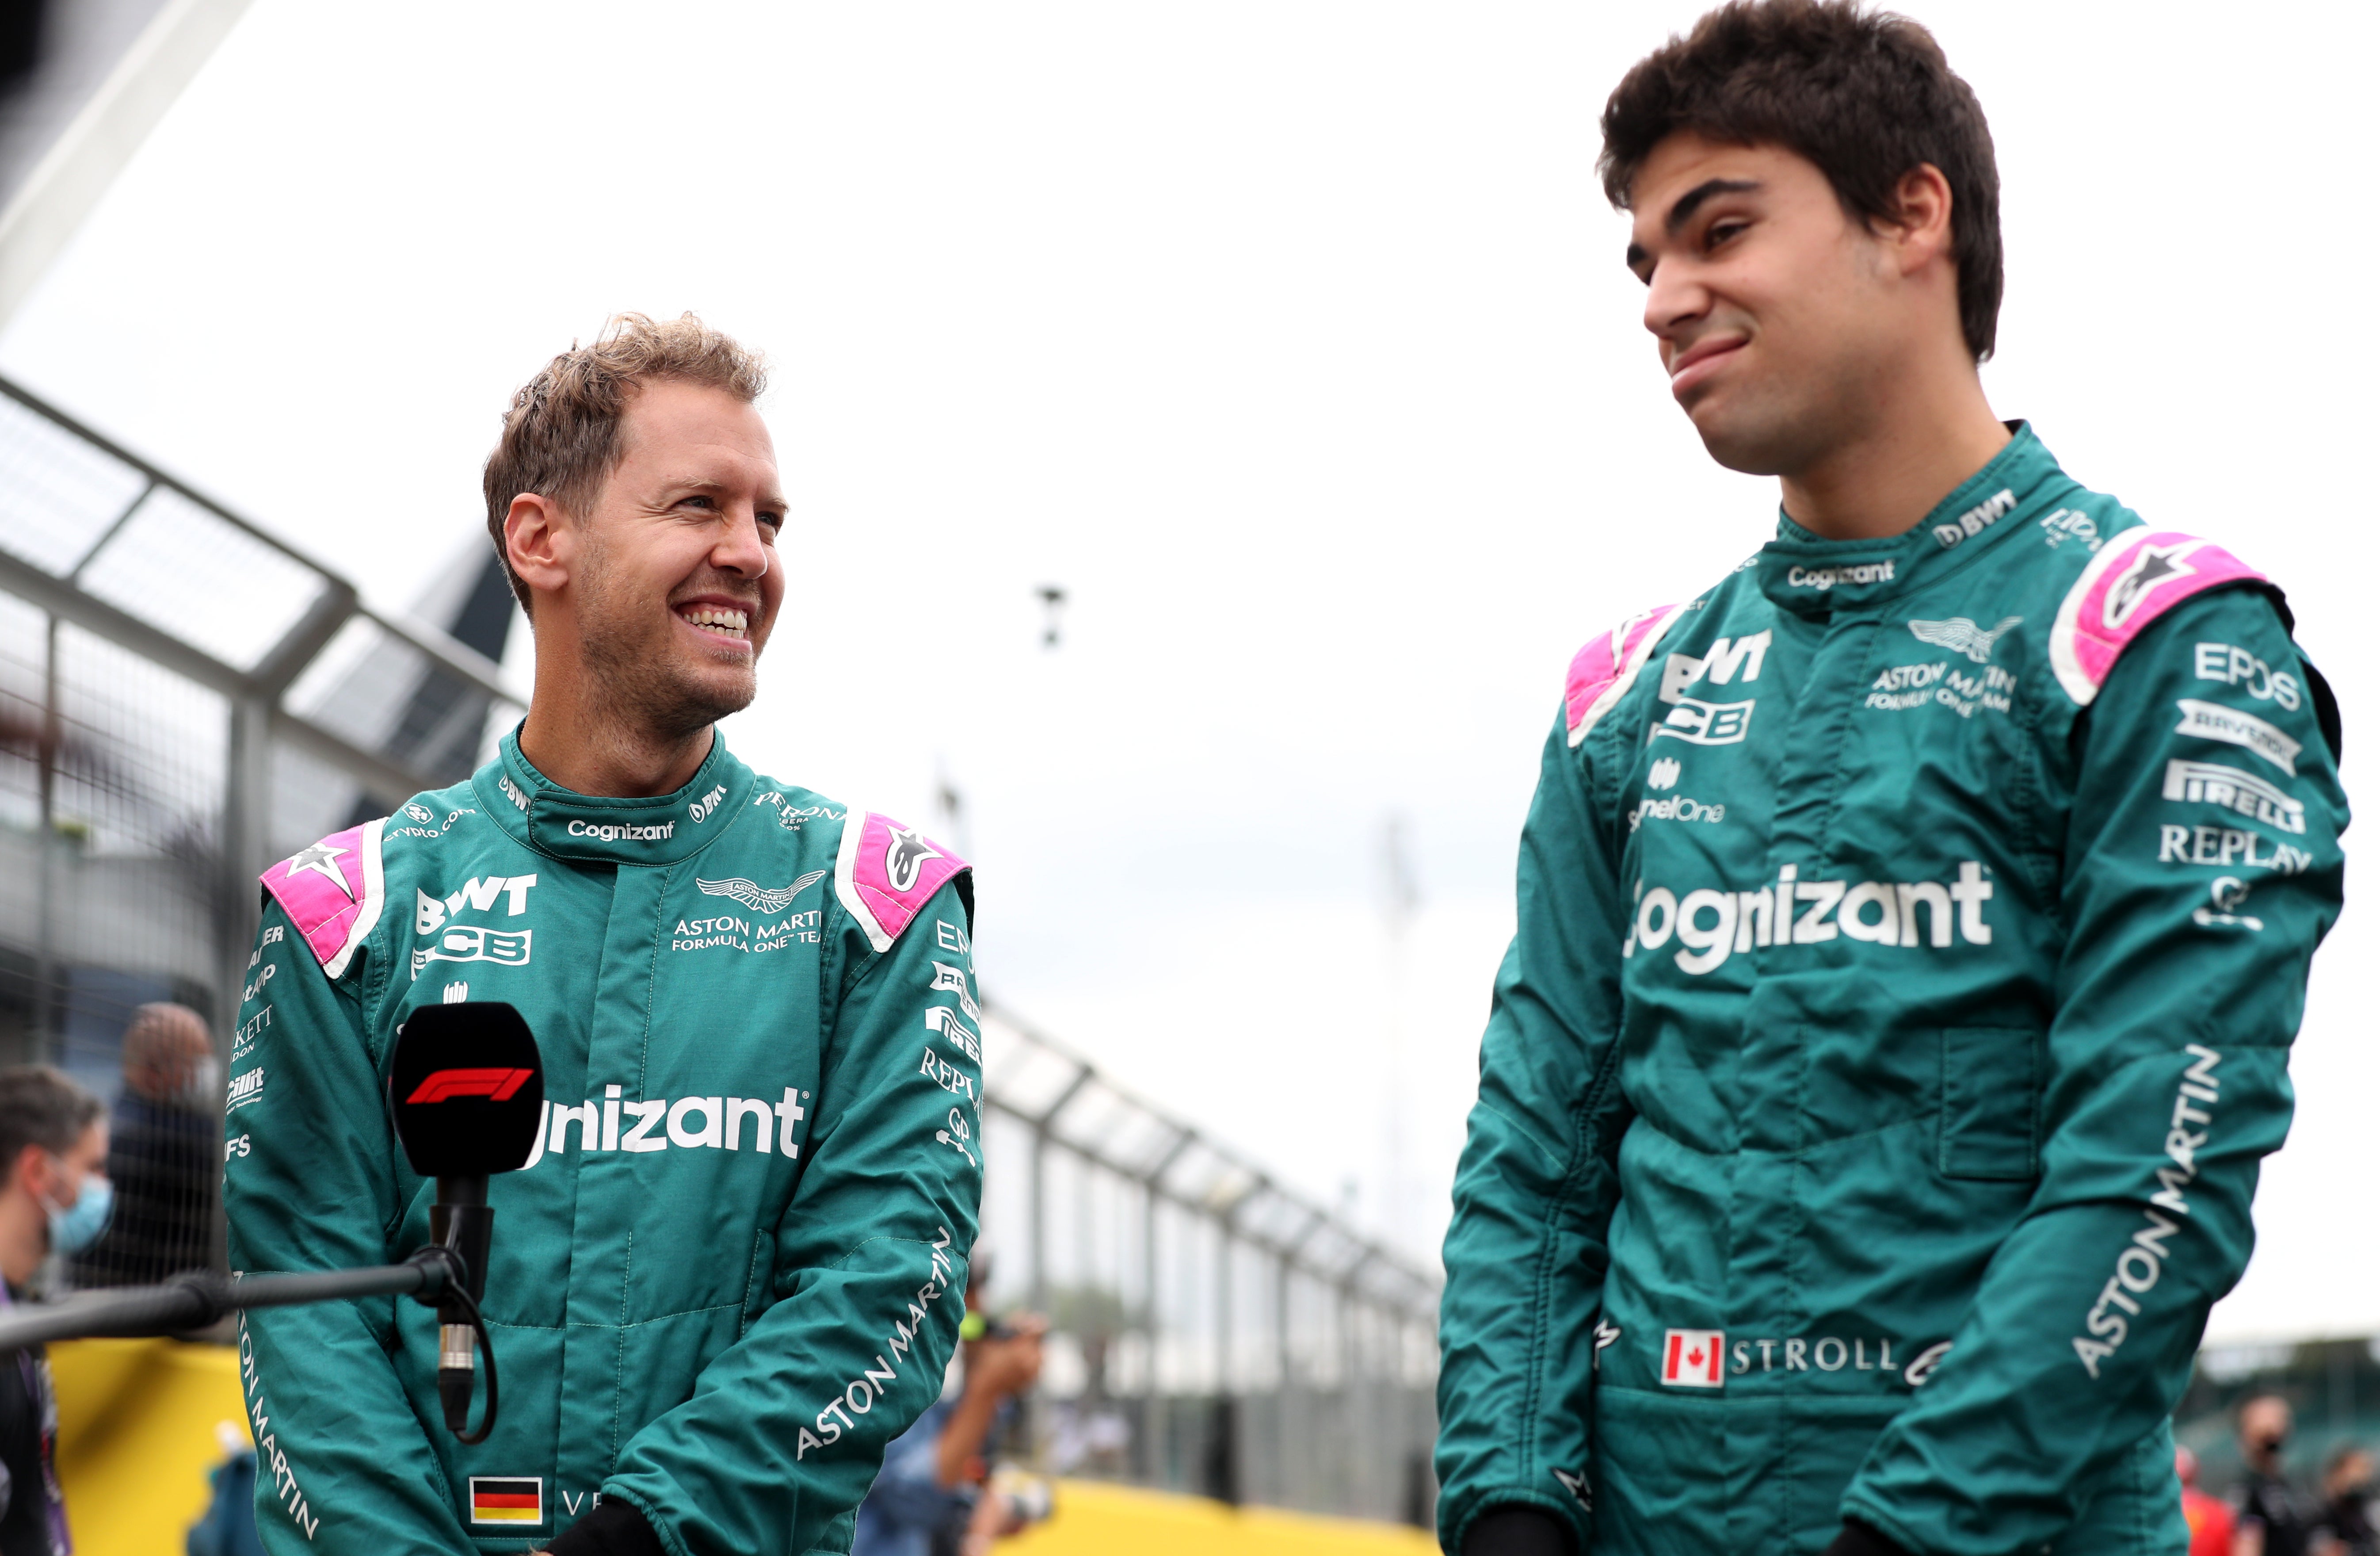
[184, 698]
[1211, 1330]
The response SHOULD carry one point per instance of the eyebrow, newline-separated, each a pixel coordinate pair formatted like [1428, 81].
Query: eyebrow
[1688, 203]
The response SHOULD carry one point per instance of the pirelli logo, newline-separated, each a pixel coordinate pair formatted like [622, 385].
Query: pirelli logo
[2211, 783]
[496, 1500]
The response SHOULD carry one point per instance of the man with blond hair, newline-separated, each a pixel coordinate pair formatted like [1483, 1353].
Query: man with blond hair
[732, 1270]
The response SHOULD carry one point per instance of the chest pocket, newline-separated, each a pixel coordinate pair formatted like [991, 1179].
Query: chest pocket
[1991, 1102]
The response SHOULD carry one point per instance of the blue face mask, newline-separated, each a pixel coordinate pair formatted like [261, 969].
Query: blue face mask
[73, 1229]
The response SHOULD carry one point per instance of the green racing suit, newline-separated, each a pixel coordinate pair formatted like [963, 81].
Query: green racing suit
[1912, 934]
[735, 1266]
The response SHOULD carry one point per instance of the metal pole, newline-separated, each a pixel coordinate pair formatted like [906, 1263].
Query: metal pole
[1036, 1271]
[246, 849]
[43, 1038]
[1153, 1416]
[1285, 1415]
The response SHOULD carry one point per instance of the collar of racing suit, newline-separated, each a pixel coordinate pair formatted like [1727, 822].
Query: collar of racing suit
[1811, 577]
[658, 830]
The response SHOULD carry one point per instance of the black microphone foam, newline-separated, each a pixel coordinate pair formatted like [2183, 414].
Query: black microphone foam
[466, 1089]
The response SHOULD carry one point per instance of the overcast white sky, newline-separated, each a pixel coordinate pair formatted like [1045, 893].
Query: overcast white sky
[1293, 340]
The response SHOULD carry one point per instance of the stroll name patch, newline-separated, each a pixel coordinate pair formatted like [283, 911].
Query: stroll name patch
[1691, 1358]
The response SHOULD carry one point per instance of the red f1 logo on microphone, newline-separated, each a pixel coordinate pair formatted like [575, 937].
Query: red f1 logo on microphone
[443, 1085]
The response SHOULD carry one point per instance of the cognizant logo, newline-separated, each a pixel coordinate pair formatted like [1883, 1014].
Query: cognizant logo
[1851, 573]
[622, 832]
[1711, 923]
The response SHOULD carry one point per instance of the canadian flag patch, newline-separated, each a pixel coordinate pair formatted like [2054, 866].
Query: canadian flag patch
[1690, 1359]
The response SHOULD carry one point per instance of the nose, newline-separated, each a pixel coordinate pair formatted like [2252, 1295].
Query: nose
[1673, 301]
[740, 550]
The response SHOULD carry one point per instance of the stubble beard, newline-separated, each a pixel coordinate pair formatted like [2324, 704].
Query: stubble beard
[636, 671]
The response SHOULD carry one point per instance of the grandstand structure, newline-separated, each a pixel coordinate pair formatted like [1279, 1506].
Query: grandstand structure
[184, 697]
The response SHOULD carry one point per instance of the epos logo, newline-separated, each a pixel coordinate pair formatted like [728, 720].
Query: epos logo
[1690, 1359]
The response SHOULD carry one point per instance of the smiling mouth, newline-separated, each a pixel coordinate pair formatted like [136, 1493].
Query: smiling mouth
[725, 620]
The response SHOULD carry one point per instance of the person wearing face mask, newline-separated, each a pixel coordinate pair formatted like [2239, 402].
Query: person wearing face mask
[164, 1155]
[2346, 1528]
[55, 1198]
[2275, 1518]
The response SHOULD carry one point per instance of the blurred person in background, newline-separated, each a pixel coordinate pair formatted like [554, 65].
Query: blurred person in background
[165, 1153]
[54, 1200]
[933, 1495]
[2345, 1526]
[1901, 1002]
[2210, 1520]
[2275, 1518]
[732, 1267]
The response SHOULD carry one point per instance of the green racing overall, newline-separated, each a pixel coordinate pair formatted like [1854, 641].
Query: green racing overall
[1912, 934]
[736, 1264]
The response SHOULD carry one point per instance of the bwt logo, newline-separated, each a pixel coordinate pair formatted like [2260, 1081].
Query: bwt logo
[701, 808]
[478, 894]
[496, 1084]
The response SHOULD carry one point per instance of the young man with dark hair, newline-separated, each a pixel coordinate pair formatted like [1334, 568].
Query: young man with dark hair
[731, 1271]
[1913, 928]
[55, 1198]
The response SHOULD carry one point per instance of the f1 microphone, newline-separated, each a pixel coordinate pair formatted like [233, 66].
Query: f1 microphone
[466, 1090]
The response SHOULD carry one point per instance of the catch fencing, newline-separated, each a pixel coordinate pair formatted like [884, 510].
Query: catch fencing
[184, 697]
[1213, 1331]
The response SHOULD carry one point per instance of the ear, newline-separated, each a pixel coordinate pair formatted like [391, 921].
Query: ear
[1920, 233]
[541, 542]
[31, 1171]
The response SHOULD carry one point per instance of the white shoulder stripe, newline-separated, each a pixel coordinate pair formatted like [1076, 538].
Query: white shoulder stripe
[847, 879]
[375, 894]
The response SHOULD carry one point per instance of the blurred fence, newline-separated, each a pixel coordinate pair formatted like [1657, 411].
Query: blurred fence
[1213, 1332]
[185, 698]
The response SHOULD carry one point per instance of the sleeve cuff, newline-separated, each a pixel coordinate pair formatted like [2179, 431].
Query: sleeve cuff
[1858, 1539]
[1516, 1531]
[610, 1528]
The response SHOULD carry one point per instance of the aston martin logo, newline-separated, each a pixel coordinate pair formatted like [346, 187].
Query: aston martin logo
[760, 899]
[1960, 636]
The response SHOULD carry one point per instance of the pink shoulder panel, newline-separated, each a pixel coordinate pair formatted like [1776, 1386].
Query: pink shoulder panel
[1604, 669]
[332, 891]
[885, 872]
[2136, 578]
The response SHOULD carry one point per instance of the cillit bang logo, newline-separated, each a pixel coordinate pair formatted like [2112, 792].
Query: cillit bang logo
[496, 1084]
[1690, 1359]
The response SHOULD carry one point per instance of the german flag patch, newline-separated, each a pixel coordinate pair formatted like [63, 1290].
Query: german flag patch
[497, 1501]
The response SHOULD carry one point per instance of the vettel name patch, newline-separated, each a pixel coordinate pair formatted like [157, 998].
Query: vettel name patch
[507, 1501]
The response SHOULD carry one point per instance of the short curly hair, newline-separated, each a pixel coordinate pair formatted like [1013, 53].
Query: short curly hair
[1866, 95]
[562, 433]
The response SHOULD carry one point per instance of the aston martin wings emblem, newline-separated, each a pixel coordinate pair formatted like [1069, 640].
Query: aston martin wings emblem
[1960, 636]
[760, 899]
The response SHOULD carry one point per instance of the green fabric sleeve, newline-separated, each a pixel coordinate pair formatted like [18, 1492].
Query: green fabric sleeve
[343, 1462]
[2189, 931]
[787, 1427]
[1537, 1181]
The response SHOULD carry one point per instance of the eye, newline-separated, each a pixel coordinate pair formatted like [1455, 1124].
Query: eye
[1725, 228]
[697, 500]
[774, 522]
